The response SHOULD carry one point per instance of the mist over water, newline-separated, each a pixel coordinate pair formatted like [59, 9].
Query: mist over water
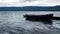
[13, 22]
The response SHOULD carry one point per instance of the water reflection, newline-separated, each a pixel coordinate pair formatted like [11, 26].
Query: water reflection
[49, 21]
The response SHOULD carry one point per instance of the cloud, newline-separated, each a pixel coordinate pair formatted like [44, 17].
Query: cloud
[29, 2]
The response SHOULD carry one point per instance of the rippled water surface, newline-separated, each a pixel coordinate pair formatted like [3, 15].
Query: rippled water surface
[13, 22]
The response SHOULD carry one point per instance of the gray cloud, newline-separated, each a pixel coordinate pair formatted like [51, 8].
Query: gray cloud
[29, 2]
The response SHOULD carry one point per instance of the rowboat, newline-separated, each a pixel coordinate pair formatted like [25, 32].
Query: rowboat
[38, 17]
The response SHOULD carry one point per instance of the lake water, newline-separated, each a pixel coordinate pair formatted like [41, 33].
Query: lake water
[13, 22]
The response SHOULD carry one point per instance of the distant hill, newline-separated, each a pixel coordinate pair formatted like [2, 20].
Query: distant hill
[31, 8]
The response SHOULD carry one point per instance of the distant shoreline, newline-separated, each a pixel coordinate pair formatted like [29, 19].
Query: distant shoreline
[30, 8]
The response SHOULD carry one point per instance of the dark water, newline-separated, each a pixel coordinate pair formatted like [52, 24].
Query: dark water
[13, 22]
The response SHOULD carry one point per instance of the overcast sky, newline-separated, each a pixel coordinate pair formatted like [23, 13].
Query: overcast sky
[29, 2]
